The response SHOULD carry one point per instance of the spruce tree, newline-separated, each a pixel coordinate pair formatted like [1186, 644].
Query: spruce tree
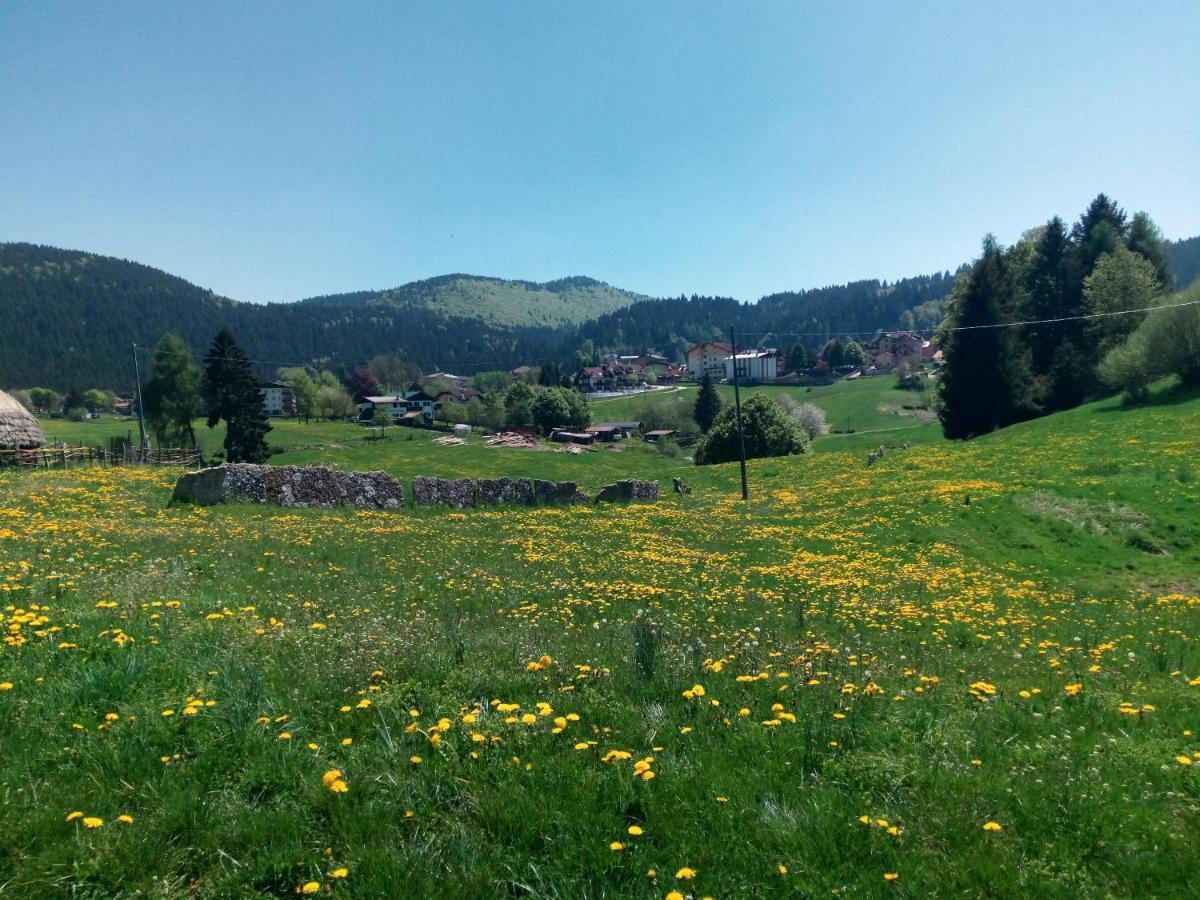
[984, 383]
[1145, 238]
[708, 404]
[231, 393]
[172, 393]
[1099, 230]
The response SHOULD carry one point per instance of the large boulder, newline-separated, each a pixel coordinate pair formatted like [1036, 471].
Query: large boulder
[629, 491]
[458, 492]
[556, 492]
[220, 484]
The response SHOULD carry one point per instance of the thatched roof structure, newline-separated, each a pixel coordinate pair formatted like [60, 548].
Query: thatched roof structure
[19, 430]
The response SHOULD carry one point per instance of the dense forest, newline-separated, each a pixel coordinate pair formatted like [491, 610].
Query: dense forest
[809, 317]
[70, 318]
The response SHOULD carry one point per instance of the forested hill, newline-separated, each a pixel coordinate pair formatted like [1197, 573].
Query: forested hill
[521, 304]
[810, 317]
[1185, 261]
[70, 317]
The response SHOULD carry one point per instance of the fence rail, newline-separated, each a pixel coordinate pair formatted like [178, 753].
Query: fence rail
[63, 457]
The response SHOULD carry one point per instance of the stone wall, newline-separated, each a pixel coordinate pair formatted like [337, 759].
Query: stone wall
[458, 492]
[323, 488]
[312, 486]
[629, 491]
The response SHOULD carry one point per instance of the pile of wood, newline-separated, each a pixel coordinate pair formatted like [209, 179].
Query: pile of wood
[573, 448]
[449, 441]
[511, 439]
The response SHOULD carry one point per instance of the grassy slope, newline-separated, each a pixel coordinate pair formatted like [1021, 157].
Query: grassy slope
[864, 411]
[835, 579]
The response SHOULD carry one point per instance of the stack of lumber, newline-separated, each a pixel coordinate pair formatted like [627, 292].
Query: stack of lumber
[511, 439]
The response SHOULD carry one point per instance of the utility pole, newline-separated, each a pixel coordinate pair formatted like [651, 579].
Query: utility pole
[737, 402]
[137, 374]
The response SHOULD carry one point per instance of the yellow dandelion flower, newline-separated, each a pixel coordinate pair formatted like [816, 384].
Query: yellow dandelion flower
[992, 826]
[92, 821]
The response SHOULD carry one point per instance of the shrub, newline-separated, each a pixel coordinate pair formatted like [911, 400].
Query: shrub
[809, 416]
[768, 432]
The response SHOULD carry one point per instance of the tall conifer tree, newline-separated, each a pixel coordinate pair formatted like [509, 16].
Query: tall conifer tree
[708, 404]
[231, 393]
[985, 379]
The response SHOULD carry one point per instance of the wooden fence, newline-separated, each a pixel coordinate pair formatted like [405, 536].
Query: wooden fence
[63, 457]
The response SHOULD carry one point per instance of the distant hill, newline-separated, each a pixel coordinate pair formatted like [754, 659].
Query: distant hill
[70, 318]
[1185, 261]
[521, 304]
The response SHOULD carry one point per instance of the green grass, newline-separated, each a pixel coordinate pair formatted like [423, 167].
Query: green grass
[862, 413]
[874, 605]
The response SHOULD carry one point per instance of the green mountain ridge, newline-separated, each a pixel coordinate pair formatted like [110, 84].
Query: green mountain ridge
[497, 301]
[70, 318]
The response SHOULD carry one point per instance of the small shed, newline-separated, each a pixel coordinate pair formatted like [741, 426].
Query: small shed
[462, 429]
[658, 434]
[563, 436]
[19, 429]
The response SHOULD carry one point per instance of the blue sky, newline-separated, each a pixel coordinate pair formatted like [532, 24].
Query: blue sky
[272, 151]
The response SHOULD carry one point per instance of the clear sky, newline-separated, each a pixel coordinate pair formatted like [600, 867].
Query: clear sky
[272, 151]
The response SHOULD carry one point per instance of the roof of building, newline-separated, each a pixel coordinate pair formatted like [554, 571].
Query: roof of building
[615, 426]
[728, 348]
[19, 429]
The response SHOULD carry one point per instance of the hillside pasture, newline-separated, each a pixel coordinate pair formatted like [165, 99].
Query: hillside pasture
[970, 669]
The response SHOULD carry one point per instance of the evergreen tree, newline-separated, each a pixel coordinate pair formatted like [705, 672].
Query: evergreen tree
[1099, 230]
[708, 404]
[1145, 238]
[984, 383]
[231, 393]
[172, 393]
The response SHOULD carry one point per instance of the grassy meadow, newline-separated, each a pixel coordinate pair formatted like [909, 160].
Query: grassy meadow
[970, 669]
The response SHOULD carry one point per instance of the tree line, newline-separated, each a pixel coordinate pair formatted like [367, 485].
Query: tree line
[1085, 287]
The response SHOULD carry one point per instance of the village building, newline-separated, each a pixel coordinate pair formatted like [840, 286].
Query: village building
[567, 436]
[893, 348]
[708, 357]
[278, 399]
[411, 408]
[754, 366]
[613, 431]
